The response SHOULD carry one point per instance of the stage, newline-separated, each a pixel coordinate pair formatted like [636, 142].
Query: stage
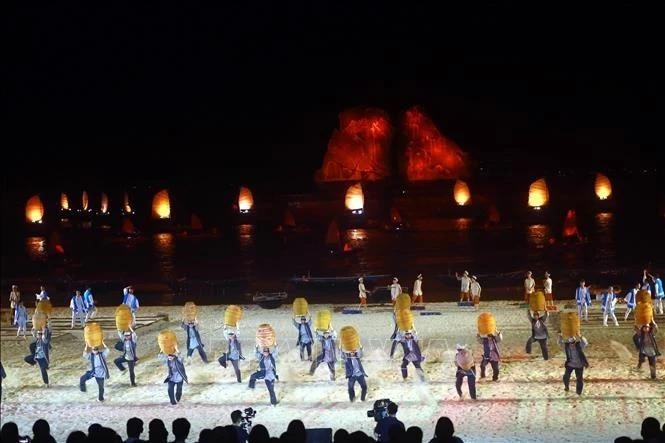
[528, 403]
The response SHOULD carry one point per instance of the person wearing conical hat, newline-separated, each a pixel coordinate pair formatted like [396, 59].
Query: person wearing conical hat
[395, 289]
[417, 296]
[529, 286]
[465, 286]
[362, 292]
[466, 367]
[328, 354]
[412, 354]
[99, 370]
[267, 371]
[355, 372]
[575, 361]
[547, 289]
[645, 340]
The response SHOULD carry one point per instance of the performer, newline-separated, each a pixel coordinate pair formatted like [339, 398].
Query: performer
[412, 354]
[475, 290]
[77, 306]
[395, 290]
[631, 300]
[233, 354]
[645, 340]
[583, 300]
[21, 318]
[417, 296]
[127, 345]
[575, 360]
[608, 304]
[362, 292]
[466, 367]
[3, 375]
[491, 354]
[132, 301]
[43, 295]
[328, 354]
[194, 341]
[355, 372]
[14, 299]
[393, 337]
[98, 369]
[539, 332]
[267, 371]
[465, 286]
[547, 289]
[177, 375]
[660, 293]
[89, 301]
[529, 286]
[305, 338]
[39, 354]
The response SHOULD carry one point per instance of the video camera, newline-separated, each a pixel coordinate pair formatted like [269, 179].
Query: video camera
[249, 414]
[380, 409]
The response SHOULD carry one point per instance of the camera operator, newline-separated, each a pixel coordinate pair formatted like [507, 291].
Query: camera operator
[382, 430]
[242, 434]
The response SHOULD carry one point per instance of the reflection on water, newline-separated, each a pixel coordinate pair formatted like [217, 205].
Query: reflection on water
[246, 242]
[538, 236]
[36, 248]
[164, 250]
[603, 238]
[356, 234]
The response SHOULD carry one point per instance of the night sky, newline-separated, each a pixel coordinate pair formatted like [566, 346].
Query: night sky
[115, 88]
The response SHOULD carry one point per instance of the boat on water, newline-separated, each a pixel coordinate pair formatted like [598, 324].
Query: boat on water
[308, 280]
[270, 300]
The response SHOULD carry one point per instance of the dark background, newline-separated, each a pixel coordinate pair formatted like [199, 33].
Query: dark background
[251, 92]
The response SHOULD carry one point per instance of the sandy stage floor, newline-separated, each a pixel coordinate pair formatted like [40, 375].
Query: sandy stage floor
[527, 404]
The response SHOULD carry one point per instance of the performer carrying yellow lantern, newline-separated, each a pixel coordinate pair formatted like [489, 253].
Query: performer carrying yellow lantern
[570, 324]
[189, 311]
[643, 314]
[537, 301]
[265, 336]
[486, 324]
[168, 342]
[123, 317]
[300, 307]
[323, 320]
[349, 339]
[403, 301]
[94, 337]
[232, 316]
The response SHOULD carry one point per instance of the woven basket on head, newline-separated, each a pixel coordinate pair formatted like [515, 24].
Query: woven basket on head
[403, 301]
[643, 296]
[190, 311]
[486, 324]
[123, 317]
[323, 320]
[537, 301]
[93, 335]
[39, 320]
[45, 306]
[570, 324]
[349, 339]
[300, 307]
[232, 315]
[167, 341]
[404, 318]
[643, 314]
[265, 336]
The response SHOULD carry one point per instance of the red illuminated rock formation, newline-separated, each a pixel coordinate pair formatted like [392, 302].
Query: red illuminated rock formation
[428, 155]
[360, 148]
[570, 229]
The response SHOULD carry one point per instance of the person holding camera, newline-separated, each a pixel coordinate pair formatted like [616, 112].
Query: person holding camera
[305, 337]
[355, 373]
[412, 354]
[242, 429]
[233, 354]
[327, 354]
[383, 427]
[267, 371]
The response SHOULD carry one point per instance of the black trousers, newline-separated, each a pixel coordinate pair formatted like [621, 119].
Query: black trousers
[579, 376]
[393, 345]
[130, 364]
[405, 363]
[495, 368]
[307, 346]
[43, 366]
[318, 361]
[100, 383]
[270, 384]
[470, 378]
[178, 392]
[642, 357]
[543, 346]
[222, 361]
[363, 387]
[202, 353]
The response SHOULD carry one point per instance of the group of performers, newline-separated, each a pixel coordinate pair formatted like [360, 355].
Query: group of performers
[574, 347]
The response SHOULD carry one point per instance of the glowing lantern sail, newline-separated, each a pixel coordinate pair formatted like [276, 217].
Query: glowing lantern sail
[538, 194]
[245, 200]
[84, 201]
[461, 193]
[161, 205]
[603, 187]
[125, 204]
[105, 203]
[428, 155]
[64, 202]
[34, 210]
[355, 200]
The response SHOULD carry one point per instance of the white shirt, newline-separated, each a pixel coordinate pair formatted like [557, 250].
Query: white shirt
[466, 282]
[475, 288]
[418, 287]
[547, 283]
[529, 285]
[362, 293]
[395, 290]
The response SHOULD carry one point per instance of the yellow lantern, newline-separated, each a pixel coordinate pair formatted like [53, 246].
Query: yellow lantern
[39, 319]
[355, 199]
[404, 319]
[403, 301]
[232, 315]
[461, 193]
[486, 324]
[167, 341]
[643, 296]
[570, 324]
[538, 194]
[323, 320]
[537, 301]
[265, 335]
[94, 337]
[349, 339]
[245, 200]
[123, 317]
[189, 311]
[602, 186]
[643, 314]
[34, 210]
[161, 205]
[44, 306]
[300, 307]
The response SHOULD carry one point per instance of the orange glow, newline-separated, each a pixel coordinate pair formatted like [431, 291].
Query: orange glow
[360, 148]
[333, 236]
[34, 210]
[570, 225]
[125, 205]
[461, 193]
[245, 200]
[161, 205]
[355, 200]
[127, 226]
[538, 194]
[428, 154]
[105, 203]
[395, 217]
[603, 187]
[64, 202]
[84, 201]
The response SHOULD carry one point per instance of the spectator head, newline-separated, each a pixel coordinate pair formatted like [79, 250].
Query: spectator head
[205, 436]
[623, 440]
[236, 417]
[157, 431]
[392, 408]
[77, 437]
[341, 436]
[296, 431]
[9, 432]
[444, 428]
[41, 429]
[259, 434]
[94, 430]
[134, 427]
[180, 428]
[650, 428]
[414, 435]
